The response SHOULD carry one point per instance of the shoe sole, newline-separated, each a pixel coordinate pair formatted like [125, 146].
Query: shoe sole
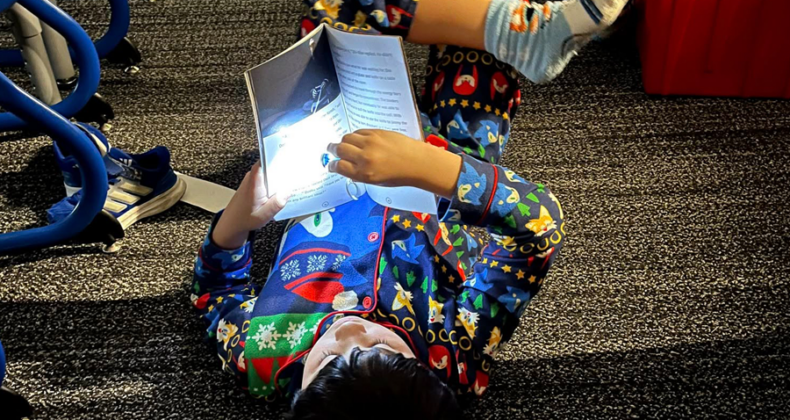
[159, 204]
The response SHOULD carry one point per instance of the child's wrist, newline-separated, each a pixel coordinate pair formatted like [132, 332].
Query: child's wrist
[437, 170]
[226, 237]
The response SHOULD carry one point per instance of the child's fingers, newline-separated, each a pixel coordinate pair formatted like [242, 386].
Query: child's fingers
[355, 139]
[246, 181]
[345, 151]
[255, 172]
[342, 167]
[271, 207]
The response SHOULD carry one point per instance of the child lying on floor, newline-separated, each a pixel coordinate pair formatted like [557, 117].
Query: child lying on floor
[370, 309]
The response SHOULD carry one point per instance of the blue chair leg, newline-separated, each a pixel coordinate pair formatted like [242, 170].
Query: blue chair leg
[113, 38]
[2, 364]
[94, 174]
[85, 57]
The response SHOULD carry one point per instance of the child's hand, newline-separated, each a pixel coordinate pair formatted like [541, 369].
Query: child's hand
[248, 210]
[375, 157]
[391, 159]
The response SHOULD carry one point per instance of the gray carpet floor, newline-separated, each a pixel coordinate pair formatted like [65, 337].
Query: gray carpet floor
[671, 299]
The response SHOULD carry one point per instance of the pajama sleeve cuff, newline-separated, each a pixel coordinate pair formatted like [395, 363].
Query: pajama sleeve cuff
[224, 260]
[473, 193]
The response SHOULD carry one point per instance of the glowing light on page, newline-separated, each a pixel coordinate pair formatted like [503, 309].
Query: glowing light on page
[297, 166]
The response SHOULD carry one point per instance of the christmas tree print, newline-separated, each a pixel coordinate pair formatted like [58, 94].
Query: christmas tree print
[425, 284]
[524, 209]
[479, 302]
[494, 309]
[464, 296]
[410, 277]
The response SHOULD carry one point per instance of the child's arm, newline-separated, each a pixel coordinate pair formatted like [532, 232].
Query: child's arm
[221, 280]
[223, 263]
[391, 159]
[524, 219]
[221, 289]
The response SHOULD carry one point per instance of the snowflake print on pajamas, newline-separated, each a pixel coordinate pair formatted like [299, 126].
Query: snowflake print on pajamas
[316, 263]
[338, 261]
[266, 337]
[295, 333]
[290, 270]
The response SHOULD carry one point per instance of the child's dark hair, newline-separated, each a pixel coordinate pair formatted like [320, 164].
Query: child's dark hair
[375, 383]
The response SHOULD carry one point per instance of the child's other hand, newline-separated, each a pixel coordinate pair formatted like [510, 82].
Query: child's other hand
[391, 159]
[248, 210]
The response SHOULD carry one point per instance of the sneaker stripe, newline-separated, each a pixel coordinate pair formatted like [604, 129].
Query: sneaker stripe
[123, 194]
[123, 197]
[156, 205]
[114, 206]
[134, 188]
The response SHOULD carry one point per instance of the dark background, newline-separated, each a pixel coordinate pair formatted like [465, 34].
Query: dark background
[670, 300]
[284, 85]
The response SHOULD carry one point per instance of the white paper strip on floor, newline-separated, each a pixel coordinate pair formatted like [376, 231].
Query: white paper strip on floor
[205, 195]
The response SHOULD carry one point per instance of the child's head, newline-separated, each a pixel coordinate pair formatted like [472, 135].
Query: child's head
[359, 369]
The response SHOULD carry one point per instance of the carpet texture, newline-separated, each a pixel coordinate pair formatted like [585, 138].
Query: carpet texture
[671, 298]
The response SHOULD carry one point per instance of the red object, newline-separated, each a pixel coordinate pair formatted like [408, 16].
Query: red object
[320, 291]
[715, 47]
[202, 301]
[437, 141]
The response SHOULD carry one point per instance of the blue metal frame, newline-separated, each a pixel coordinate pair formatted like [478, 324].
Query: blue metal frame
[5, 4]
[2, 364]
[86, 59]
[94, 174]
[119, 27]
[24, 109]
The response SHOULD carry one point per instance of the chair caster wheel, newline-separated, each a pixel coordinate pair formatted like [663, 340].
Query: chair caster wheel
[125, 54]
[97, 110]
[131, 70]
[15, 406]
[106, 229]
[111, 248]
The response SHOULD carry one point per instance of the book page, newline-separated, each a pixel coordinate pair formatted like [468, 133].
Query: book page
[292, 85]
[375, 82]
[304, 99]
[377, 91]
[293, 162]
[299, 111]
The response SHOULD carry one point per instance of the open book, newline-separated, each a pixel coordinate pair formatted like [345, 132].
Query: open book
[329, 84]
